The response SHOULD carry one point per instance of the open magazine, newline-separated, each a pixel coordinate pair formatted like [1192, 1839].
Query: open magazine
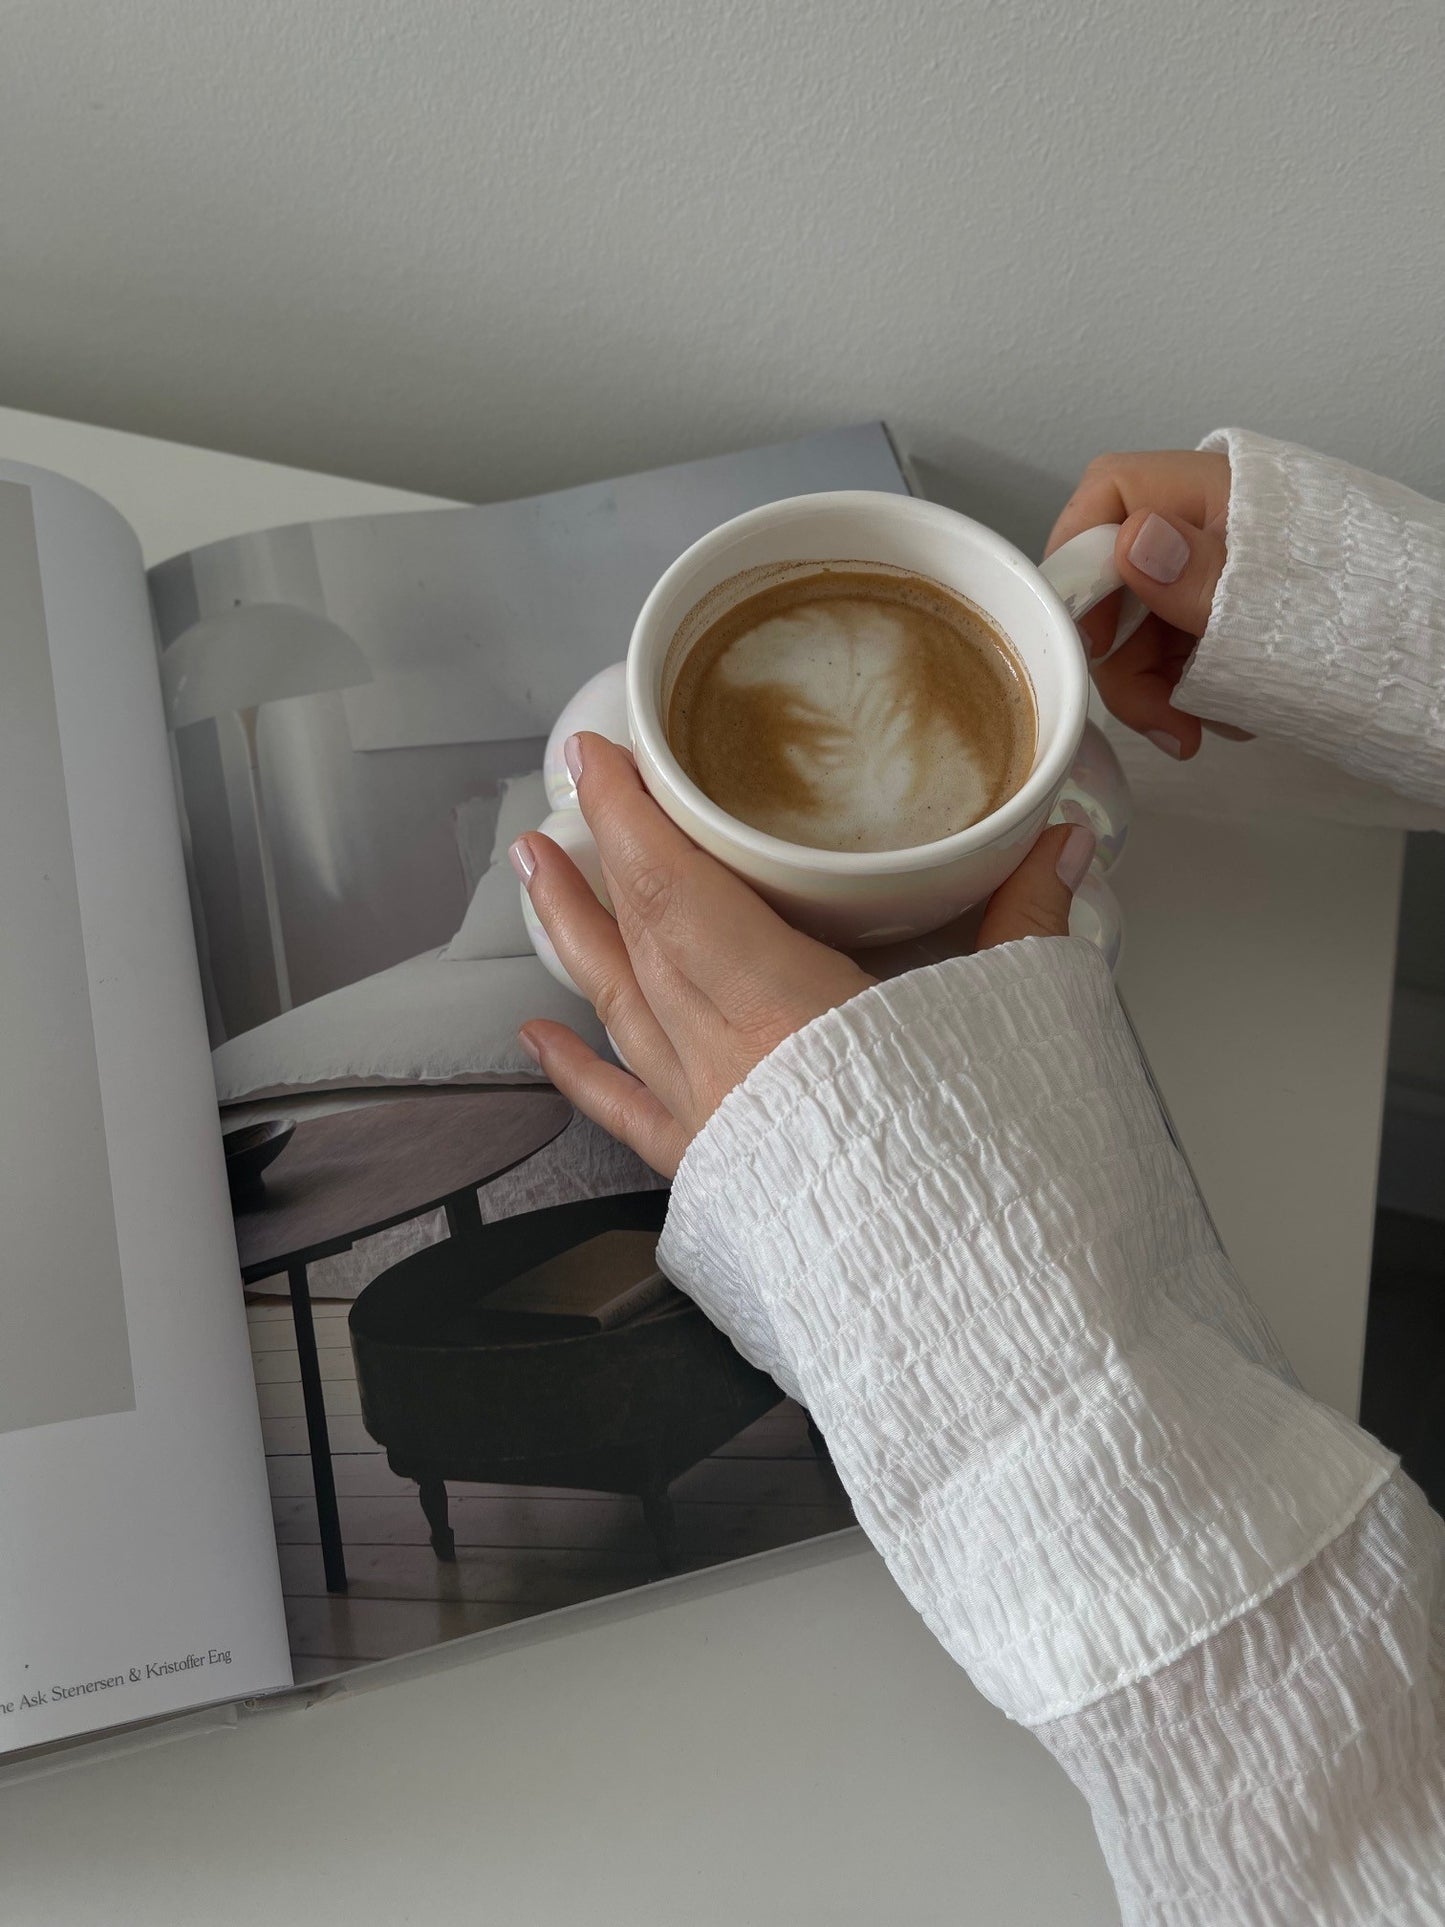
[328, 1332]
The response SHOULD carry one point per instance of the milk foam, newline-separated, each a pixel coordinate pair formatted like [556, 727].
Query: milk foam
[853, 713]
[882, 775]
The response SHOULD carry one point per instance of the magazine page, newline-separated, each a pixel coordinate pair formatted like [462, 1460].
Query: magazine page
[139, 1574]
[359, 712]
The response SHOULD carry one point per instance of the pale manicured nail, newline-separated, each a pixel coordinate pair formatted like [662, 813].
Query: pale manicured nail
[522, 860]
[1161, 739]
[572, 757]
[529, 1047]
[1076, 856]
[1159, 551]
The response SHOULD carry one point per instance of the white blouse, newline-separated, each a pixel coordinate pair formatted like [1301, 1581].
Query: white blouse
[949, 1218]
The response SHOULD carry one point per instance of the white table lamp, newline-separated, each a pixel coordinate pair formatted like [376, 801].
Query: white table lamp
[231, 664]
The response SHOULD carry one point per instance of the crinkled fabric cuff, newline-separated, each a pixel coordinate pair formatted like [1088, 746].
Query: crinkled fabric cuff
[948, 1217]
[1328, 625]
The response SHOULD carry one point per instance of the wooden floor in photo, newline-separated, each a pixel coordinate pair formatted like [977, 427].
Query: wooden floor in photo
[520, 1550]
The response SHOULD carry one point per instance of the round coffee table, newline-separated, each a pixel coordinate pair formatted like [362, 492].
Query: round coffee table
[360, 1171]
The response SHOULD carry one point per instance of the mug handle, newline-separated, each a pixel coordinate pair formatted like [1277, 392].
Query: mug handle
[1082, 572]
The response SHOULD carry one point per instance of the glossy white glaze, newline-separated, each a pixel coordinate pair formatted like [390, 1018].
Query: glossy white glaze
[861, 898]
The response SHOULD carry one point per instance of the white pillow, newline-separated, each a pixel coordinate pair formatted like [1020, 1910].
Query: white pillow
[474, 825]
[421, 1022]
[493, 924]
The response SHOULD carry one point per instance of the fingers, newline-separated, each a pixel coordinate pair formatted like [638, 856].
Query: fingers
[1035, 900]
[1113, 488]
[681, 911]
[1137, 683]
[622, 1105]
[1172, 565]
[1178, 481]
[1100, 625]
[663, 888]
[1098, 498]
[640, 846]
[595, 957]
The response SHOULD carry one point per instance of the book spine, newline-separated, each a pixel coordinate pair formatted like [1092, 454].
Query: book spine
[641, 1297]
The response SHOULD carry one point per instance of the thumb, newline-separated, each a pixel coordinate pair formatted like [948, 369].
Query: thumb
[1035, 900]
[1172, 566]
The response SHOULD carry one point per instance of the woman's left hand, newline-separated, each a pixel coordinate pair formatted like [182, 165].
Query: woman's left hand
[696, 979]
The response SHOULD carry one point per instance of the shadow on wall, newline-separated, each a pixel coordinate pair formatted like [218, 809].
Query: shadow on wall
[1014, 497]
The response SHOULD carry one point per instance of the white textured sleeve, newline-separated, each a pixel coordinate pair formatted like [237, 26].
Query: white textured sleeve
[1290, 1768]
[1328, 626]
[949, 1217]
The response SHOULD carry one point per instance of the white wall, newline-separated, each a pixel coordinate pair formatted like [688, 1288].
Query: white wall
[485, 246]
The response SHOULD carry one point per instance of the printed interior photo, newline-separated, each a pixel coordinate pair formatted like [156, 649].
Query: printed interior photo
[480, 1399]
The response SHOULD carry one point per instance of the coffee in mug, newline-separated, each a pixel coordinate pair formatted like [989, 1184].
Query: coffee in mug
[848, 707]
[855, 897]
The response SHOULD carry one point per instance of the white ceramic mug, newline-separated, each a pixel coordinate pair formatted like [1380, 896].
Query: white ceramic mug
[853, 898]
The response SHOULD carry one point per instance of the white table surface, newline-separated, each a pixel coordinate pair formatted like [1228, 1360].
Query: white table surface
[779, 1741]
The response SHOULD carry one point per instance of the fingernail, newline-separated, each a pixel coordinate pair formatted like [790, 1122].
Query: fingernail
[529, 1047]
[572, 757]
[1161, 739]
[522, 860]
[1076, 856]
[1159, 551]
[1073, 812]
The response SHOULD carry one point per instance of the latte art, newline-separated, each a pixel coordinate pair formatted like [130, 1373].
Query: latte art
[853, 709]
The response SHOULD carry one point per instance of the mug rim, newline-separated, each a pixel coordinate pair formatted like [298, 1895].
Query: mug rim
[1051, 766]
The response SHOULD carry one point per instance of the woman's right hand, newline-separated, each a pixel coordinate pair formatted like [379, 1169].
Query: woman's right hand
[1172, 504]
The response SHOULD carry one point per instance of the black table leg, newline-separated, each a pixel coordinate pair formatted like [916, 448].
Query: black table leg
[333, 1558]
[464, 1217]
